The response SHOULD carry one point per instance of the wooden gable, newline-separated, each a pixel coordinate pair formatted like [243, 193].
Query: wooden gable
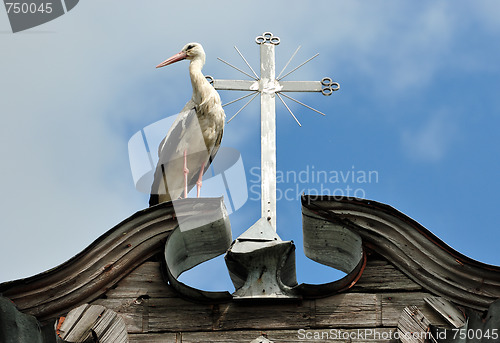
[403, 269]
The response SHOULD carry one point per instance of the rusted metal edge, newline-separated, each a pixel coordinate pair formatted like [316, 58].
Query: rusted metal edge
[412, 249]
[314, 291]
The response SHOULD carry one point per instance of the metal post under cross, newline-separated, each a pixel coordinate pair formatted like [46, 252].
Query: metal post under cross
[269, 86]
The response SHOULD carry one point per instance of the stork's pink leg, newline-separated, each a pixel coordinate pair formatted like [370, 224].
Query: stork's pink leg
[186, 172]
[198, 183]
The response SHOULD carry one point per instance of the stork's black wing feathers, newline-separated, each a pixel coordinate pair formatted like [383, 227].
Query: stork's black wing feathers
[167, 150]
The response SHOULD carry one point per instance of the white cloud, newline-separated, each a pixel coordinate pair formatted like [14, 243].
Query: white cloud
[485, 13]
[432, 140]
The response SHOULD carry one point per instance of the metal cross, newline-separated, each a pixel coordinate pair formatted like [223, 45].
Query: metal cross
[269, 86]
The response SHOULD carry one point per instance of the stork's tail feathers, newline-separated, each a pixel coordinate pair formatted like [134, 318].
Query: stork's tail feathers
[154, 199]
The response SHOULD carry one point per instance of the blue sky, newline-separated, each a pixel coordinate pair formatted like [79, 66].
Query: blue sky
[418, 105]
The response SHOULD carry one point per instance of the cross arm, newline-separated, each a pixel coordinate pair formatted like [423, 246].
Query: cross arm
[236, 85]
[301, 86]
[325, 86]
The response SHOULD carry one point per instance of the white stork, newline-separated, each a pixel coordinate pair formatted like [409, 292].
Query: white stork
[194, 138]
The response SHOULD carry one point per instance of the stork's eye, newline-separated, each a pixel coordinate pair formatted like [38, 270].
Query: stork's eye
[190, 46]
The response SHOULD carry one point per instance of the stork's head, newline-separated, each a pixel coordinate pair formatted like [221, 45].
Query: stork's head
[190, 51]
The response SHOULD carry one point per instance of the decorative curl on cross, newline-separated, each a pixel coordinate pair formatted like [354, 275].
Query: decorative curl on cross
[267, 37]
[328, 86]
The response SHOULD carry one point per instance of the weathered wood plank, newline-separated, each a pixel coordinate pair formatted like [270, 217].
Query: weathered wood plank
[380, 275]
[222, 336]
[413, 326]
[348, 310]
[163, 337]
[111, 328]
[210, 336]
[370, 310]
[131, 310]
[144, 280]
[85, 321]
[378, 335]
[173, 314]
[447, 310]
[165, 313]
[77, 326]
[263, 316]
[392, 305]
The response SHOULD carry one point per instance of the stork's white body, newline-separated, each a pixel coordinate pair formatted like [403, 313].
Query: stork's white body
[194, 138]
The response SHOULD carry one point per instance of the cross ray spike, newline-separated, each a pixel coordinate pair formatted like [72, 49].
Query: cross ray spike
[248, 64]
[269, 86]
[287, 63]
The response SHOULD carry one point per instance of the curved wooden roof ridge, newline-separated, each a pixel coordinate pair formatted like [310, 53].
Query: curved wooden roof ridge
[97, 268]
[413, 249]
[402, 241]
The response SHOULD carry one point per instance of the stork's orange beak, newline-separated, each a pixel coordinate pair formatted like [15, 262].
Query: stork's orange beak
[176, 58]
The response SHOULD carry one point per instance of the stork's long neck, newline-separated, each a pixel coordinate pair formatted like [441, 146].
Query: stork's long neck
[200, 85]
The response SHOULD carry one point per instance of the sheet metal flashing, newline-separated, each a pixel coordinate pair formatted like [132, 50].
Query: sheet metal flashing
[413, 249]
